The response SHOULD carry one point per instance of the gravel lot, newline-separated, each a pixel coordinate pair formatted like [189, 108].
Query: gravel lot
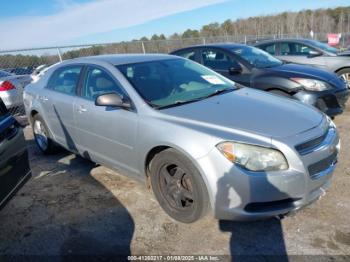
[71, 206]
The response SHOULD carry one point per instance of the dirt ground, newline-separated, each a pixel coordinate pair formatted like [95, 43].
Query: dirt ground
[72, 206]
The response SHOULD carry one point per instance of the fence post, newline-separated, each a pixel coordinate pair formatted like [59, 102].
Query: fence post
[143, 47]
[59, 54]
[245, 39]
[203, 40]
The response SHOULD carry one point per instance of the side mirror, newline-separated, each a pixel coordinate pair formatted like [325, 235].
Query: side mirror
[113, 100]
[234, 70]
[313, 53]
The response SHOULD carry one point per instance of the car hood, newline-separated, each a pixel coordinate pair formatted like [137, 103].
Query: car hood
[302, 71]
[249, 110]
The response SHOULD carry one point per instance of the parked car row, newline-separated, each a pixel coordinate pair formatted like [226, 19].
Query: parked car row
[192, 130]
[252, 67]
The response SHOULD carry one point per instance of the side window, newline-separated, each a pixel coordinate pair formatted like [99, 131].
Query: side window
[188, 54]
[271, 49]
[65, 79]
[98, 82]
[285, 50]
[295, 49]
[217, 59]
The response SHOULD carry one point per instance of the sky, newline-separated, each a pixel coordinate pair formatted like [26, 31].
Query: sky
[38, 23]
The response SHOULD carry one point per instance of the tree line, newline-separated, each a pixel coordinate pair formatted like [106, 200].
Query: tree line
[329, 20]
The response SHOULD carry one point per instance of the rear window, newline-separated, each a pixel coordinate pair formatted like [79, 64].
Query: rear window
[65, 79]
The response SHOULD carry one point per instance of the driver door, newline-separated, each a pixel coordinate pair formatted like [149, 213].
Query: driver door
[106, 135]
[221, 62]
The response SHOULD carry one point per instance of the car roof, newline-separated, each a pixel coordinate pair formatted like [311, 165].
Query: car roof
[299, 40]
[120, 59]
[217, 45]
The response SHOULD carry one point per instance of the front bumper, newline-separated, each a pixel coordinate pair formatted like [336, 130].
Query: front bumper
[330, 102]
[237, 194]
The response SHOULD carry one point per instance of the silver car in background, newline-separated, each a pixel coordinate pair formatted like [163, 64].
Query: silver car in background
[11, 88]
[199, 141]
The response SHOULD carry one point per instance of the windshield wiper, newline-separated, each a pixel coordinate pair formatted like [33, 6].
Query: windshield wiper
[182, 102]
[178, 103]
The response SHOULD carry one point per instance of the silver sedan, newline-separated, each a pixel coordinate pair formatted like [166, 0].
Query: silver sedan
[11, 88]
[198, 140]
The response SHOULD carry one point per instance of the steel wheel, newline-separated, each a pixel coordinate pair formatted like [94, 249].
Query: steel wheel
[344, 74]
[40, 135]
[176, 187]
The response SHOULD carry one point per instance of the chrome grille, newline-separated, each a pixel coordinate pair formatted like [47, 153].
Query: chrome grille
[309, 146]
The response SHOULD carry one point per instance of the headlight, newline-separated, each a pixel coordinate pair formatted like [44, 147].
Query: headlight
[311, 84]
[253, 158]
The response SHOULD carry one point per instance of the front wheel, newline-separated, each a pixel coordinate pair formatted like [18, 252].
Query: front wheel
[345, 75]
[178, 186]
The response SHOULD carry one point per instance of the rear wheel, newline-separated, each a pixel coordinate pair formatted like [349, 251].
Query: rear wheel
[42, 135]
[345, 75]
[178, 186]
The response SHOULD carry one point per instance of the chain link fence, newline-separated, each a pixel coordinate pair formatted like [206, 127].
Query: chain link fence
[20, 67]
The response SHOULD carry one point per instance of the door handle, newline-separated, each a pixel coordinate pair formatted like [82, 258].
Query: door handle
[81, 109]
[44, 98]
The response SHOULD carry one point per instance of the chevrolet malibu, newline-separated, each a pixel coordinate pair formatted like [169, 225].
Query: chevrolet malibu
[201, 143]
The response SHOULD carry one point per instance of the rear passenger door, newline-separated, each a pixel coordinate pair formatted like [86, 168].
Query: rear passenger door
[14, 164]
[107, 135]
[57, 100]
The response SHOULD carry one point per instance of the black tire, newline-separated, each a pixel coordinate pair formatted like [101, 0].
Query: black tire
[345, 74]
[50, 147]
[178, 186]
[280, 93]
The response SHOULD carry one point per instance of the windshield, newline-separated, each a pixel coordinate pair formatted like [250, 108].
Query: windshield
[325, 47]
[256, 57]
[172, 82]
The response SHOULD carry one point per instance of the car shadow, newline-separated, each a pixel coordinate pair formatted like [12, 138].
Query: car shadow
[253, 240]
[69, 210]
[113, 239]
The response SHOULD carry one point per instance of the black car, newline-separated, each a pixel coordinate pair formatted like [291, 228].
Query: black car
[14, 163]
[252, 67]
[310, 52]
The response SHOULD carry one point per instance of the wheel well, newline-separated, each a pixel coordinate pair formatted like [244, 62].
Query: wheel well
[345, 67]
[151, 155]
[32, 114]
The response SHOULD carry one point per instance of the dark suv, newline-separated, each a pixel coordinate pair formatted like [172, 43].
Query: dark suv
[252, 67]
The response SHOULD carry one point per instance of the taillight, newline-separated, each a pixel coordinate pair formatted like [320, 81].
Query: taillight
[6, 85]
